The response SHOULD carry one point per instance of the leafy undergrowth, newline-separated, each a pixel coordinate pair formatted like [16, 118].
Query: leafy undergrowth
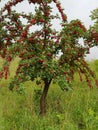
[72, 110]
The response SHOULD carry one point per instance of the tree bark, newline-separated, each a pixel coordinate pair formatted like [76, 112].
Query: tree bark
[43, 97]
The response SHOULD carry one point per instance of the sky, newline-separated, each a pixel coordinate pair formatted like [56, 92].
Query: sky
[74, 9]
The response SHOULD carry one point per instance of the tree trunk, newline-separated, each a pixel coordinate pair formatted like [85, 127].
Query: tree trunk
[43, 97]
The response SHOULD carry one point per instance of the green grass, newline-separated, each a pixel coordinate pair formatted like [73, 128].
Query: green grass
[72, 110]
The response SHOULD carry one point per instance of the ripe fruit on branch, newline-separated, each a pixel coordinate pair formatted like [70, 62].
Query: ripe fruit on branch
[49, 54]
[41, 60]
[64, 17]
[9, 58]
[65, 72]
[33, 21]
[24, 34]
[45, 65]
[68, 79]
[67, 49]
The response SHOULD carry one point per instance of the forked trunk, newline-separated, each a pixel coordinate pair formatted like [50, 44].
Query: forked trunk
[43, 97]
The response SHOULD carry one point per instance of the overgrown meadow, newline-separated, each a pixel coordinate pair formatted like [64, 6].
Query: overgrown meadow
[71, 110]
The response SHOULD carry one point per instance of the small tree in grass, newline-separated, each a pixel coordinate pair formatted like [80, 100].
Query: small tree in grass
[45, 53]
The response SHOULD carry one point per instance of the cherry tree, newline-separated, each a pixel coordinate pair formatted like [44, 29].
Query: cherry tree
[45, 53]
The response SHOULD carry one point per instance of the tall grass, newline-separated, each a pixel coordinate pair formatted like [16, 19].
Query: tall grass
[72, 110]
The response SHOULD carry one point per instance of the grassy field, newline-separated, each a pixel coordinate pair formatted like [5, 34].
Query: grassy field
[72, 110]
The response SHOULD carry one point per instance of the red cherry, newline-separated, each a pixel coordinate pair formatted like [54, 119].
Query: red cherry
[9, 59]
[24, 34]
[41, 61]
[49, 54]
[33, 21]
